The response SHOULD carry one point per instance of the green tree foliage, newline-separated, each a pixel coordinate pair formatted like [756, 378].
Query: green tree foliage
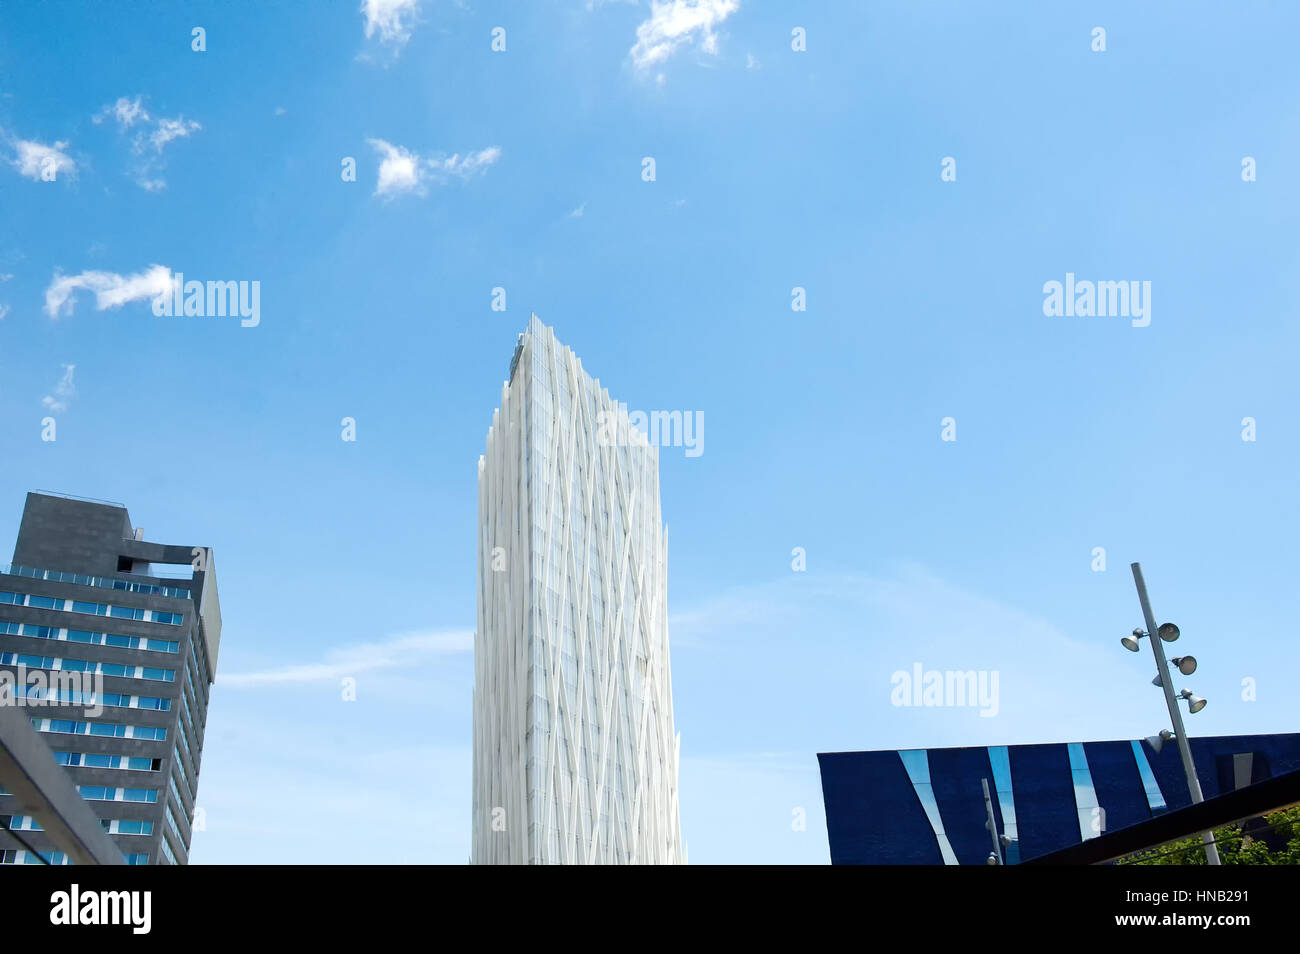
[1236, 847]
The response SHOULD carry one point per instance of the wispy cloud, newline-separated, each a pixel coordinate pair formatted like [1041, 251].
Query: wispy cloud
[674, 24]
[111, 289]
[391, 20]
[40, 162]
[126, 111]
[171, 129]
[578, 212]
[64, 391]
[403, 171]
[150, 139]
[401, 652]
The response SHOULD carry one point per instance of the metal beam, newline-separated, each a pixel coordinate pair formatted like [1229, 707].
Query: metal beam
[45, 789]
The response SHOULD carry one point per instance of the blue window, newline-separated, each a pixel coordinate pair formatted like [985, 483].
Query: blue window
[94, 609]
[45, 602]
[1000, 762]
[128, 826]
[1092, 820]
[14, 598]
[917, 764]
[1155, 798]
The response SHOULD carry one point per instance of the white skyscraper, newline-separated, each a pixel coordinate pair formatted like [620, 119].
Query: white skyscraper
[575, 755]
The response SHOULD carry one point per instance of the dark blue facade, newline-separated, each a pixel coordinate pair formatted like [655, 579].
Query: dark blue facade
[1057, 794]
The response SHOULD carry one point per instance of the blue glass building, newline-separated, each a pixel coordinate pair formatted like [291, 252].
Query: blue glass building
[926, 806]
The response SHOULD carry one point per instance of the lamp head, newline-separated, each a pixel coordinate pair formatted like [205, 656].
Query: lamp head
[1157, 742]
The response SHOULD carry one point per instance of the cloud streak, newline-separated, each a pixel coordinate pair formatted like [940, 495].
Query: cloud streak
[64, 391]
[111, 289]
[401, 652]
[402, 171]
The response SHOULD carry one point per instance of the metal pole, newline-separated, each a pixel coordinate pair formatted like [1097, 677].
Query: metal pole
[1175, 715]
[992, 823]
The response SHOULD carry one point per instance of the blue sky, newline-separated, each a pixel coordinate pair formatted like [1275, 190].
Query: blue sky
[775, 168]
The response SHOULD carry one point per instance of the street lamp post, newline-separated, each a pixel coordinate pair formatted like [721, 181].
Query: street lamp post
[995, 858]
[1180, 733]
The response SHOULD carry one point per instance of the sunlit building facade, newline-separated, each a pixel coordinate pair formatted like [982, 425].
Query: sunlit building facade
[575, 753]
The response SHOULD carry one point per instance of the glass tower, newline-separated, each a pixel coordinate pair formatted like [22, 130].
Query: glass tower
[575, 754]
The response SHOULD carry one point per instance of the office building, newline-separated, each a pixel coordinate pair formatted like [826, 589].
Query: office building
[113, 656]
[575, 754]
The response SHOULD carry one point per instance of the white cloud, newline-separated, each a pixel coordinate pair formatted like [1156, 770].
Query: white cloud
[155, 131]
[64, 391]
[4, 312]
[391, 19]
[466, 166]
[677, 23]
[402, 652]
[751, 62]
[127, 112]
[35, 160]
[401, 170]
[170, 129]
[578, 212]
[111, 290]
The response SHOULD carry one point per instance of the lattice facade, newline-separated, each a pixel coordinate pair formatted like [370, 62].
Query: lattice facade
[575, 755]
